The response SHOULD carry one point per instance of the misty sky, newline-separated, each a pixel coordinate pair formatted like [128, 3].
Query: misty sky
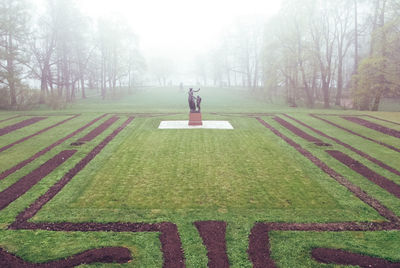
[179, 28]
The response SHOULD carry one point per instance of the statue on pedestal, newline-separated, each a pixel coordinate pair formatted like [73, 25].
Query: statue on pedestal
[191, 100]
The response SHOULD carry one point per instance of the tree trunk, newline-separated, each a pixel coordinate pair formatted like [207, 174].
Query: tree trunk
[355, 37]
[10, 70]
[83, 88]
[340, 78]
[325, 92]
[375, 106]
[43, 85]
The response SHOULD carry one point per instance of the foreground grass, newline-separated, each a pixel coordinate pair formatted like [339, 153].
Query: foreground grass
[157, 175]
[240, 176]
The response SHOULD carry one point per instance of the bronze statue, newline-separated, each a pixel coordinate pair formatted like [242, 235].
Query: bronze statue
[191, 99]
[198, 102]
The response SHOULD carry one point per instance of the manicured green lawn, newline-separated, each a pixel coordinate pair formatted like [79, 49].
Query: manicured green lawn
[239, 176]
[157, 174]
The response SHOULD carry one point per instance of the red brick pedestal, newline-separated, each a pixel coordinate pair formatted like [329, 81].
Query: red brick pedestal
[195, 119]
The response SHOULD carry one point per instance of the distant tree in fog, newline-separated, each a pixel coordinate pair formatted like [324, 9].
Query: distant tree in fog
[161, 68]
[14, 31]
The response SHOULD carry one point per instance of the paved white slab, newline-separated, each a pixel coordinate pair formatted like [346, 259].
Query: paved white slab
[185, 125]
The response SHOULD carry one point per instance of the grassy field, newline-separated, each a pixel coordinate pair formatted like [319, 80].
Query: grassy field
[241, 177]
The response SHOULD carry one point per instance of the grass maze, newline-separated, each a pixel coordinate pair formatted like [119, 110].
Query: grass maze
[213, 219]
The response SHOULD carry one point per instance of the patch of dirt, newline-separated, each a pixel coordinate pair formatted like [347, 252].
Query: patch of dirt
[100, 129]
[56, 188]
[103, 255]
[341, 257]
[384, 120]
[169, 237]
[371, 175]
[366, 156]
[297, 131]
[171, 246]
[356, 134]
[259, 247]
[25, 123]
[10, 171]
[357, 191]
[213, 235]
[371, 125]
[10, 118]
[322, 144]
[37, 133]
[24, 184]
[77, 143]
[212, 232]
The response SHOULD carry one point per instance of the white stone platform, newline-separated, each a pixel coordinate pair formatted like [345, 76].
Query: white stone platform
[185, 125]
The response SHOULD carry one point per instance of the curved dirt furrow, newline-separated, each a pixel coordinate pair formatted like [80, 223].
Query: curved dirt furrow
[169, 237]
[341, 257]
[213, 235]
[102, 255]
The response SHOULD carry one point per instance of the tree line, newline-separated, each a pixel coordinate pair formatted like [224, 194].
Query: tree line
[65, 51]
[313, 52]
[332, 52]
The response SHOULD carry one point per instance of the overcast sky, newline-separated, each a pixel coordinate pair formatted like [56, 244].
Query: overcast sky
[179, 28]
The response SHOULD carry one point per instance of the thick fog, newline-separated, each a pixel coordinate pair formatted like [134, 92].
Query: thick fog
[181, 31]
[307, 52]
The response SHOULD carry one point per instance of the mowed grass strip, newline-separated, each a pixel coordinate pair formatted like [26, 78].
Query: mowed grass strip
[203, 173]
[8, 215]
[293, 249]
[22, 151]
[365, 131]
[27, 149]
[11, 120]
[378, 151]
[389, 124]
[390, 201]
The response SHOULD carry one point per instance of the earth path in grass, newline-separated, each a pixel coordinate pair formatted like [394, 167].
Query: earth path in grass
[357, 191]
[213, 235]
[341, 257]
[356, 134]
[25, 123]
[169, 237]
[23, 185]
[297, 131]
[371, 175]
[103, 255]
[37, 133]
[259, 247]
[53, 191]
[10, 118]
[365, 155]
[384, 120]
[10, 171]
[371, 125]
[100, 129]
